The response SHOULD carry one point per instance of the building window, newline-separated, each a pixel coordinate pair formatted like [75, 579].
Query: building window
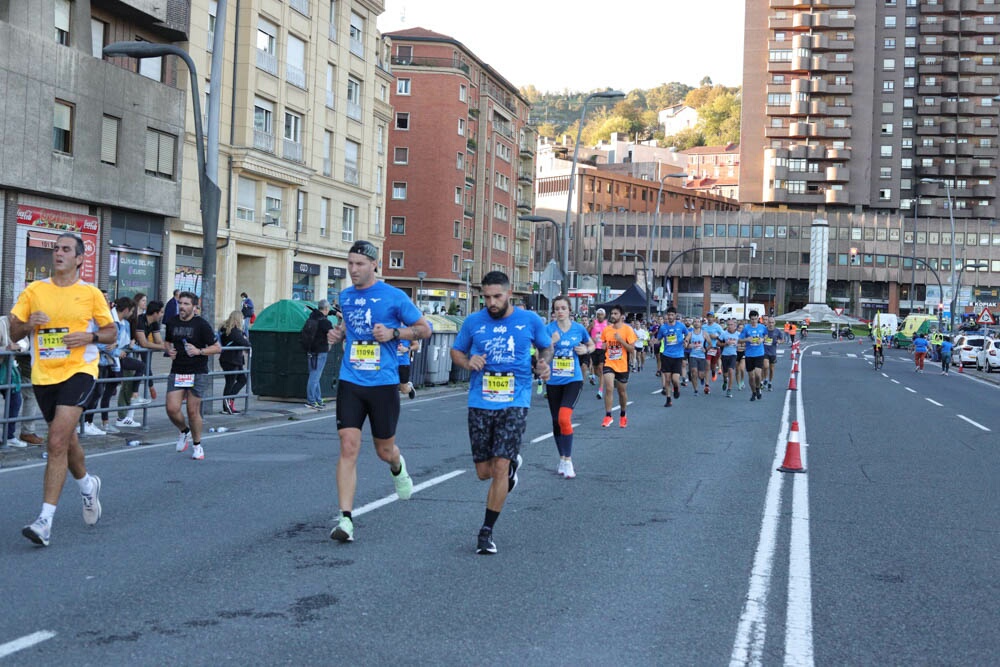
[378, 180]
[458, 195]
[350, 215]
[889, 43]
[397, 225]
[98, 37]
[62, 126]
[109, 139]
[151, 68]
[463, 92]
[62, 11]
[213, 10]
[460, 161]
[331, 86]
[885, 194]
[461, 127]
[885, 151]
[267, 40]
[352, 152]
[293, 136]
[160, 148]
[380, 139]
[888, 86]
[402, 121]
[324, 214]
[333, 21]
[399, 189]
[400, 155]
[890, 22]
[295, 62]
[395, 259]
[885, 172]
[402, 86]
[272, 204]
[357, 35]
[300, 211]
[246, 199]
[889, 64]
[327, 153]
[456, 229]
[353, 98]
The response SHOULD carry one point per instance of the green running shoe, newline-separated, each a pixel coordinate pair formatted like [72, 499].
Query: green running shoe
[404, 485]
[344, 532]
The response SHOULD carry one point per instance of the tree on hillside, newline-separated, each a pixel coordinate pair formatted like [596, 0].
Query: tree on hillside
[719, 120]
[699, 97]
[705, 81]
[547, 130]
[666, 95]
[686, 138]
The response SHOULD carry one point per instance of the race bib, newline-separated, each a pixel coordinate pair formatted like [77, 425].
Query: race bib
[51, 344]
[365, 355]
[671, 339]
[184, 381]
[712, 351]
[563, 366]
[755, 340]
[498, 387]
[615, 353]
[696, 345]
[768, 341]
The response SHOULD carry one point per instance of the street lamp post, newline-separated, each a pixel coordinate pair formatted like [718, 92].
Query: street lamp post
[645, 268]
[951, 218]
[211, 195]
[604, 95]
[468, 288]
[420, 290]
[545, 218]
[659, 227]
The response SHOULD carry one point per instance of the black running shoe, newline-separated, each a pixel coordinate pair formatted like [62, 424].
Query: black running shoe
[668, 403]
[512, 477]
[677, 392]
[753, 396]
[485, 545]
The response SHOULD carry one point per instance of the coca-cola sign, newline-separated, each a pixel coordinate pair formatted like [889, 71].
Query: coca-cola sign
[87, 226]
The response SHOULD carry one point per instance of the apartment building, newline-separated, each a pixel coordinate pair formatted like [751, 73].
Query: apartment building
[303, 130]
[886, 111]
[461, 172]
[714, 169]
[90, 145]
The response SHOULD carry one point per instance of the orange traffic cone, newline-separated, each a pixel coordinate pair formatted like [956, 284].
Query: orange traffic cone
[795, 367]
[793, 457]
[791, 383]
[961, 367]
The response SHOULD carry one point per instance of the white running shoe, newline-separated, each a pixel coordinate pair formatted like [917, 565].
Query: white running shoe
[92, 503]
[109, 428]
[141, 401]
[128, 422]
[570, 473]
[198, 454]
[91, 429]
[39, 532]
[183, 440]
[562, 467]
[17, 444]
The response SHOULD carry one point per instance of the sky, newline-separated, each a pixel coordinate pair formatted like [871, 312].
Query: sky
[581, 45]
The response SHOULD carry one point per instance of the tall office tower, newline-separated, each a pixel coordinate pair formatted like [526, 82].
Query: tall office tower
[460, 172]
[874, 105]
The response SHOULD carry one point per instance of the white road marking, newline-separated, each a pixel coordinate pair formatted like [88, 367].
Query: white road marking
[798, 616]
[851, 355]
[657, 391]
[931, 400]
[24, 642]
[912, 391]
[382, 502]
[894, 381]
[815, 353]
[976, 424]
[885, 376]
[547, 435]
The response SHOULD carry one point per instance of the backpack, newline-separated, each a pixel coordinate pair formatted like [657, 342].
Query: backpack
[307, 337]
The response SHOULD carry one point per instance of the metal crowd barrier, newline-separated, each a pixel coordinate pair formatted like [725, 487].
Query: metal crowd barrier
[7, 361]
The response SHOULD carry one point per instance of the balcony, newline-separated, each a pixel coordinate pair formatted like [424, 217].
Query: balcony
[522, 287]
[838, 154]
[263, 141]
[526, 149]
[447, 63]
[523, 231]
[331, 100]
[356, 47]
[295, 76]
[520, 259]
[351, 175]
[840, 197]
[291, 150]
[353, 110]
[523, 204]
[327, 167]
[267, 62]
[838, 174]
[524, 176]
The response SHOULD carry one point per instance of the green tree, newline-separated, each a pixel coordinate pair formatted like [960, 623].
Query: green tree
[718, 118]
[686, 138]
[666, 95]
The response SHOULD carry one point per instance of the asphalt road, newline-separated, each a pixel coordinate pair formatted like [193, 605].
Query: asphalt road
[678, 542]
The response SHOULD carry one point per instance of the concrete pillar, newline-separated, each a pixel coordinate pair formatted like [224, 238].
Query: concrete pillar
[779, 296]
[706, 294]
[856, 297]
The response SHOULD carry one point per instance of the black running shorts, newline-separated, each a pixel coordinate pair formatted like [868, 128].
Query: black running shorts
[728, 362]
[74, 391]
[496, 433]
[754, 362]
[380, 403]
[672, 365]
[597, 357]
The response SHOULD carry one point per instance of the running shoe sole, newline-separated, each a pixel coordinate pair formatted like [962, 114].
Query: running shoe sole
[38, 539]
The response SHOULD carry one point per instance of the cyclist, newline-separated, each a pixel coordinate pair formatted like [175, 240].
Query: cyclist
[878, 352]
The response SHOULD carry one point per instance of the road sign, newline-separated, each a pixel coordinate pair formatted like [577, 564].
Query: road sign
[839, 311]
[551, 281]
[986, 317]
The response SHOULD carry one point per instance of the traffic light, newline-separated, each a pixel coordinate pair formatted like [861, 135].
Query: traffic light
[854, 256]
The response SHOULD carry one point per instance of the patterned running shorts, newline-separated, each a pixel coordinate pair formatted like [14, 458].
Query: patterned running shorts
[496, 433]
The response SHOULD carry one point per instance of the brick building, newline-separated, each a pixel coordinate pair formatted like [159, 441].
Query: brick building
[461, 167]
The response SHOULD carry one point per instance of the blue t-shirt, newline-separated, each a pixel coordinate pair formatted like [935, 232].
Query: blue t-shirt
[946, 347]
[712, 330]
[699, 343]
[672, 336]
[727, 341]
[403, 352]
[771, 339]
[920, 345]
[565, 362]
[366, 361]
[754, 335]
[505, 381]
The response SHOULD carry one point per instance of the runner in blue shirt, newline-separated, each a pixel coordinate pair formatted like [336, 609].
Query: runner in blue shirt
[728, 340]
[571, 343]
[713, 330]
[673, 337]
[754, 334]
[920, 347]
[771, 340]
[376, 316]
[495, 345]
[946, 348]
[698, 344]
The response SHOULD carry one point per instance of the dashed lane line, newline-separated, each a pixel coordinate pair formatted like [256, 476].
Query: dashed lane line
[24, 642]
[931, 400]
[974, 423]
[912, 391]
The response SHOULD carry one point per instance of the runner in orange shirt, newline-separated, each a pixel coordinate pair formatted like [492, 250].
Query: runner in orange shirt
[619, 342]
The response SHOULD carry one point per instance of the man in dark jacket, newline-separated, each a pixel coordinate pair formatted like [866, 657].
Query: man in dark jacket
[317, 354]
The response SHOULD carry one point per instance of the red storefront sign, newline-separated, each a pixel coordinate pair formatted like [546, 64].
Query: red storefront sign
[58, 222]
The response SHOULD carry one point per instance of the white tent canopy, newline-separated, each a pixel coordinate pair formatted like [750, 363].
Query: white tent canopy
[818, 312]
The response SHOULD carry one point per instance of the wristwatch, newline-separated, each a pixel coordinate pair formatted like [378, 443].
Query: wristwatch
[395, 334]
[96, 338]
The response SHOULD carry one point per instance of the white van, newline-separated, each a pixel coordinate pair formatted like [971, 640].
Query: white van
[730, 310]
[887, 322]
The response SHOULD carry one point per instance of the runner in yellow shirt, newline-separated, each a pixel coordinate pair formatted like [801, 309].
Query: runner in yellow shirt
[619, 342]
[66, 319]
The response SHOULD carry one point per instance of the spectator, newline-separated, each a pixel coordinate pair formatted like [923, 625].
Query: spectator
[316, 355]
[9, 374]
[231, 335]
[29, 406]
[249, 314]
[147, 336]
[124, 307]
[170, 308]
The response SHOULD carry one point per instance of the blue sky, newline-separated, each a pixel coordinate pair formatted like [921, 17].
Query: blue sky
[568, 44]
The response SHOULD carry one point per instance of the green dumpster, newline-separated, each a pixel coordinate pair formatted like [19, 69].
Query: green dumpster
[279, 368]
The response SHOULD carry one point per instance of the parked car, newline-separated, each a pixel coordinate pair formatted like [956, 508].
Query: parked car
[988, 358]
[967, 347]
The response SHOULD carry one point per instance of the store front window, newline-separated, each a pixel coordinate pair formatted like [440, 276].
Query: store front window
[304, 281]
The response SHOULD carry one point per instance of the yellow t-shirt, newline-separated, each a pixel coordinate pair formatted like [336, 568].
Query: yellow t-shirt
[79, 307]
[615, 354]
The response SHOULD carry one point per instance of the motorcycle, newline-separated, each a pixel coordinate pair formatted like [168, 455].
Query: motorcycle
[838, 333]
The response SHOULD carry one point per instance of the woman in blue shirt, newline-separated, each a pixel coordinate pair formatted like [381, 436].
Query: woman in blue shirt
[570, 341]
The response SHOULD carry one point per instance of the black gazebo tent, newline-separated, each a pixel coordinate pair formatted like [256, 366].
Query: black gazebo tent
[632, 300]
